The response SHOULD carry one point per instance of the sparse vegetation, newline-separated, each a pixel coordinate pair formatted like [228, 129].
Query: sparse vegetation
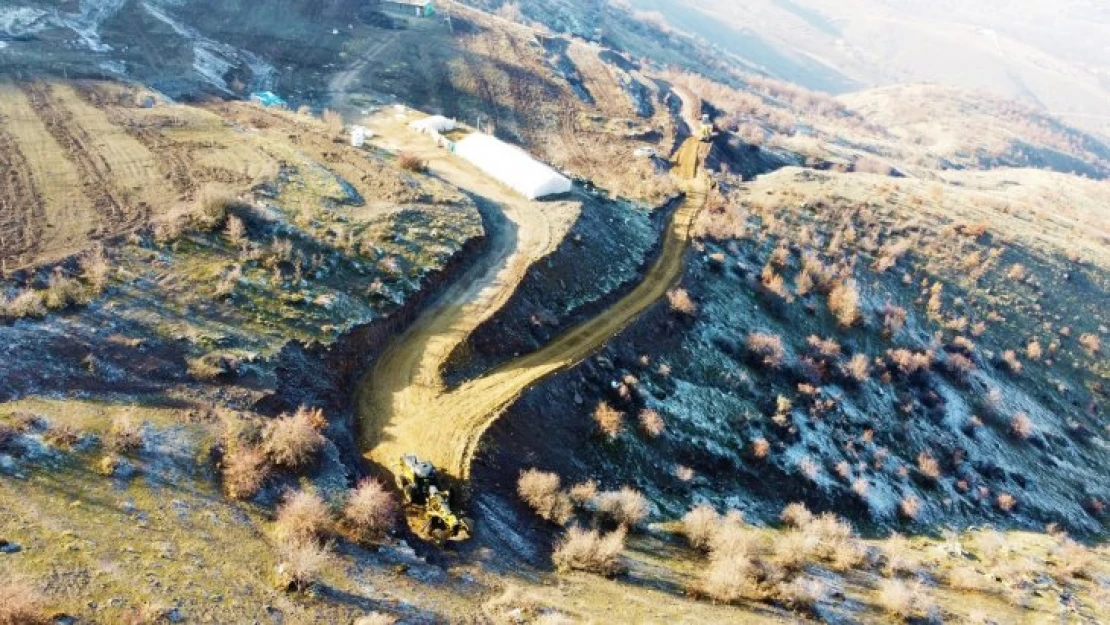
[245, 469]
[542, 491]
[302, 517]
[767, 348]
[609, 420]
[371, 511]
[681, 302]
[627, 506]
[292, 441]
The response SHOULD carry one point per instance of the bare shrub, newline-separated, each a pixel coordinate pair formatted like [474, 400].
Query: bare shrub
[1010, 359]
[903, 600]
[858, 368]
[1006, 502]
[768, 348]
[235, 232]
[681, 302]
[910, 507]
[301, 562]
[584, 492]
[63, 292]
[1021, 426]
[826, 348]
[894, 319]
[910, 362]
[796, 515]
[411, 162]
[626, 506]
[760, 448]
[965, 577]
[293, 440]
[27, 303]
[302, 516]
[802, 593]
[961, 366]
[542, 492]
[651, 422]
[731, 579]
[699, 525]
[95, 268]
[333, 121]
[844, 302]
[928, 466]
[124, 436]
[609, 420]
[21, 604]
[245, 470]
[371, 510]
[1091, 343]
[589, 551]
[1033, 350]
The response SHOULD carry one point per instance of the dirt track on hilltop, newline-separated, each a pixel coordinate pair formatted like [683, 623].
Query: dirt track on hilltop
[403, 404]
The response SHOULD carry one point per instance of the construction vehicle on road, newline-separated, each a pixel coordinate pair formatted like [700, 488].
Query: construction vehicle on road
[706, 131]
[427, 502]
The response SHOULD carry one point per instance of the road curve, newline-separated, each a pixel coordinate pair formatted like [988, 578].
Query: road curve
[403, 405]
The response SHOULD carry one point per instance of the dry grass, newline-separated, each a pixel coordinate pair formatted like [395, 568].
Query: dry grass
[235, 232]
[376, 618]
[293, 440]
[768, 348]
[652, 423]
[542, 491]
[590, 551]
[371, 511]
[21, 604]
[681, 302]
[302, 516]
[609, 420]
[333, 121]
[244, 470]
[626, 506]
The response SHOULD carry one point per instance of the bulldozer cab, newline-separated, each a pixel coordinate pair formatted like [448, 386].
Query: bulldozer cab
[416, 479]
[706, 131]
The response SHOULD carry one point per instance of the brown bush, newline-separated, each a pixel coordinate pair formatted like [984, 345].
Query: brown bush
[245, 470]
[858, 368]
[293, 440]
[21, 604]
[301, 562]
[768, 348]
[27, 303]
[589, 551]
[1021, 426]
[371, 510]
[1034, 351]
[910, 507]
[609, 420]
[584, 492]
[796, 515]
[904, 600]
[124, 436]
[542, 492]
[699, 525]
[729, 580]
[909, 362]
[625, 506]
[760, 448]
[1091, 343]
[928, 466]
[302, 516]
[651, 422]
[1006, 502]
[681, 302]
[844, 302]
[412, 162]
[894, 319]
[95, 268]
[1010, 359]
[235, 232]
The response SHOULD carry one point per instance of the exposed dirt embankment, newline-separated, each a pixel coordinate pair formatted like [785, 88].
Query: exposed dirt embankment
[601, 259]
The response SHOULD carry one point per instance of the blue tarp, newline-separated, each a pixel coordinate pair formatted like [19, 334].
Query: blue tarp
[267, 98]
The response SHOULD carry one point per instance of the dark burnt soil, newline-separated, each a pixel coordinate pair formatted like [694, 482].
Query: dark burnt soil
[600, 260]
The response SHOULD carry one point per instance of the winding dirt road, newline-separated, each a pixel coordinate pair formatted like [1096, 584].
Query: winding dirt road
[403, 404]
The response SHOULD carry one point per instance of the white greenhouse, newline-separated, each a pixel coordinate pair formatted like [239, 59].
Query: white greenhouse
[512, 166]
[433, 125]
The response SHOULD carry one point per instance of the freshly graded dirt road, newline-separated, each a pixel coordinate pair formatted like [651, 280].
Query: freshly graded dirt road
[403, 404]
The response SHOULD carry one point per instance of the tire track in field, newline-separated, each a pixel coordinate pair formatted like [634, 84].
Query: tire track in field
[22, 214]
[96, 173]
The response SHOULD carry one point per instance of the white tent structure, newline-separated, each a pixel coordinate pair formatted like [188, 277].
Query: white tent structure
[512, 166]
[433, 124]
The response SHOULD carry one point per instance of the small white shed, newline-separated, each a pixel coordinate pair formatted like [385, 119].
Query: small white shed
[512, 166]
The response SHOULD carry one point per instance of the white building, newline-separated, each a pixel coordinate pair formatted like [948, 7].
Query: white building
[436, 124]
[512, 166]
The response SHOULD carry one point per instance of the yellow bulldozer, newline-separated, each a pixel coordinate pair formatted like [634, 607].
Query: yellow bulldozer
[706, 131]
[427, 503]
